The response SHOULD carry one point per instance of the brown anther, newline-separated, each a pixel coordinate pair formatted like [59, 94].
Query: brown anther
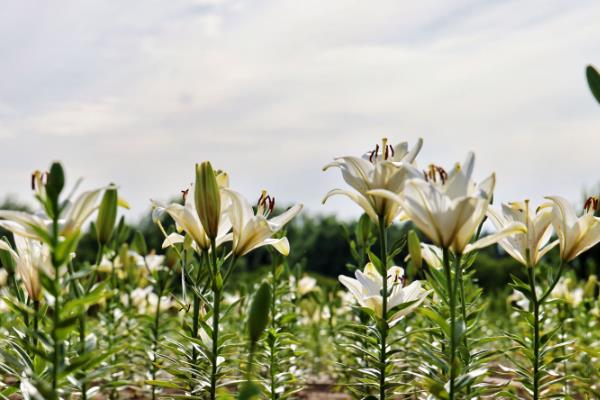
[374, 153]
[271, 204]
[184, 194]
[33, 181]
[443, 174]
[591, 204]
[392, 150]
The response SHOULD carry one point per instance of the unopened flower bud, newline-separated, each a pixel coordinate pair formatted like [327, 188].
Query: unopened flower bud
[258, 317]
[414, 249]
[107, 215]
[589, 290]
[208, 199]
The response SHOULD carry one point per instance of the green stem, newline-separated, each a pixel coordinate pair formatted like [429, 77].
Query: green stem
[452, 306]
[196, 315]
[82, 318]
[536, 332]
[36, 318]
[564, 309]
[155, 335]
[56, 312]
[272, 349]
[215, 321]
[383, 326]
[463, 306]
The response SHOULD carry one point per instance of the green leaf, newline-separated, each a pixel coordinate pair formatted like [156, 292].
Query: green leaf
[593, 79]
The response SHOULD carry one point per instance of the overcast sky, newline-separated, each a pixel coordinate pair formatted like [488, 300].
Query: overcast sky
[136, 92]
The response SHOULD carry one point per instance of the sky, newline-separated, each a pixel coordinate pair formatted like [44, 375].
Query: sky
[137, 92]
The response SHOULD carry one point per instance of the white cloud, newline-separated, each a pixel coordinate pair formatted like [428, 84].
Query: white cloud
[137, 92]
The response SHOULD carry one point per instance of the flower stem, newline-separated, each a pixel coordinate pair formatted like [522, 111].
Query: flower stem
[215, 322]
[272, 349]
[452, 305]
[383, 326]
[196, 314]
[56, 312]
[155, 336]
[536, 333]
[83, 316]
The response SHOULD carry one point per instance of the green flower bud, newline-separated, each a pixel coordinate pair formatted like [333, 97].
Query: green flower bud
[139, 243]
[589, 290]
[107, 215]
[54, 186]
[259, 312]
[363, 228]
[208, 199]
[414, 249]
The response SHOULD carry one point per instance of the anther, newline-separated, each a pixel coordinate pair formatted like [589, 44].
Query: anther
[591, 204]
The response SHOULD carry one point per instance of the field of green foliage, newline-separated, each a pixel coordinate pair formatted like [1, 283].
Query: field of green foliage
[436, 292]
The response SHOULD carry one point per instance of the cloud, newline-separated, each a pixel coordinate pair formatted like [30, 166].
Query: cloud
[137, 92]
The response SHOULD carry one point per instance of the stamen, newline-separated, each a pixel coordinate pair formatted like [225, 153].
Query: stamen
[184, 194]
[443, 174]
[591, 204]
[271, 204]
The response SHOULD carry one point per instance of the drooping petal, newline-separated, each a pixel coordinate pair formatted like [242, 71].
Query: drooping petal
[510, 229]
[358, 199]
[172, 239]
[282, 219]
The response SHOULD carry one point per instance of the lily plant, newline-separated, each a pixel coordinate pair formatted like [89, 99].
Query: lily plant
[212, 216]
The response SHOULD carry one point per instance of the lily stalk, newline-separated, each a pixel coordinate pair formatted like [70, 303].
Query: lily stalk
[196, 309]
[217, 288]
[383, 326]
[452, 285]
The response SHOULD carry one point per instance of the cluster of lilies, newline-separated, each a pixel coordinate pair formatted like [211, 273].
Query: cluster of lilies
[449, 208]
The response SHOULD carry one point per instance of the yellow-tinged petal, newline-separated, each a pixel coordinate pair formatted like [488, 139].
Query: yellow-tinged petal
[510, 229]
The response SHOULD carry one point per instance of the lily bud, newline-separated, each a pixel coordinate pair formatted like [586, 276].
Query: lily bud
[414, 249]
[208, 199]
[107, 215]
[139, 243]
[258, 317]
[363, 228]
[54, 185]
[589, 290]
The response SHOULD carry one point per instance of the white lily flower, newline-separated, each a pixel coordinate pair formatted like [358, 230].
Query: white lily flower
[449, 208]
[154, 262]
[534, 242]
[251, 231]
[187, 220]
[31, 257]
[519, 299]
[3, 277]
[368, 285]
[576, 235]
[306, 285]
[70, 222]
[564, 291]
[432, 255]
[387, 170]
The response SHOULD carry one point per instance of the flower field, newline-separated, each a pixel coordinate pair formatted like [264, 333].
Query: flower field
[185, 318]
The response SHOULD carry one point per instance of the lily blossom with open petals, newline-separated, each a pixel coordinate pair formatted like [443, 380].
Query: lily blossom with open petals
[368, 285]
[388, 167]
[449, 208]
[31, 257]
[187, 220]
[35, 226]
[535, 242]
[576, 235]
[251, 230]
